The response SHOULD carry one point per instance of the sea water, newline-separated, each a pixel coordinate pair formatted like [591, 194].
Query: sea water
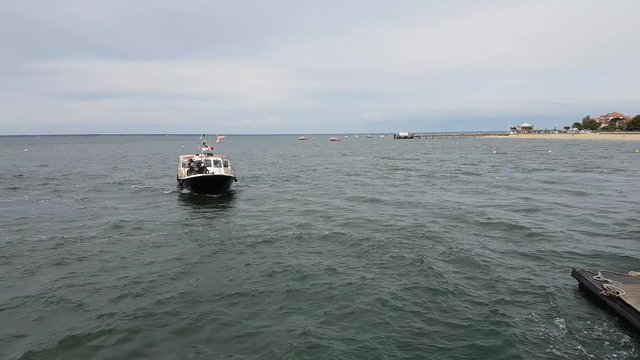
[366, 248]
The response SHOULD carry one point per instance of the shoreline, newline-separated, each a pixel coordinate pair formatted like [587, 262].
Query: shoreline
[594, 136]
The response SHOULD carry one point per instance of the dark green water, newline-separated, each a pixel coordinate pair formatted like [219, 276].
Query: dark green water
[360, 249]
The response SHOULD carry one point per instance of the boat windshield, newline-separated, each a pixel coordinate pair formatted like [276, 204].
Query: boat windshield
[207, 162]
[184, 164]
[217, 163]
[226, 163]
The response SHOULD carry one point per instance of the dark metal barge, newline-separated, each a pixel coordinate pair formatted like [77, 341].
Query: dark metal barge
[621, 292]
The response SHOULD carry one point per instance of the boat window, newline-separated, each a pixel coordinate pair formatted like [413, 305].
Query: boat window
[207, 162]
[226, 163]
[217, 163]
[184, 164]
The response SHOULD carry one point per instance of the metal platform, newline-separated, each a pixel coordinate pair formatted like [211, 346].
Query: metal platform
[621, 292]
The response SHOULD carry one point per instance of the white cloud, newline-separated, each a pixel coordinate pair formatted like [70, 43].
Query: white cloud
[142, 92]
[266, 123]
[493, 45]
[373, 65]
[229, 83]
[374, 116]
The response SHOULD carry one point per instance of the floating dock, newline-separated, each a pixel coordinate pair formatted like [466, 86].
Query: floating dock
[621, 292]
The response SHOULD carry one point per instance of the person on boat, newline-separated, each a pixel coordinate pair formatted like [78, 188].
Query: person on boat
[191, 169]
[202, 169]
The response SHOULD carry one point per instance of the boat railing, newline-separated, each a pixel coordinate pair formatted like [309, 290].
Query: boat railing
[227, 170]
[221, 169]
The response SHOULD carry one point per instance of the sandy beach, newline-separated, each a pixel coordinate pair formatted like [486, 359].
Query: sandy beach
[595, 136]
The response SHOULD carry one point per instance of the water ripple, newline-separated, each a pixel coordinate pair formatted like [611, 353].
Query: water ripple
[370, 248]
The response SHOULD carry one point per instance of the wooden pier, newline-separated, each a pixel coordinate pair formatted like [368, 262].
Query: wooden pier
[621, 292]
[406, 135]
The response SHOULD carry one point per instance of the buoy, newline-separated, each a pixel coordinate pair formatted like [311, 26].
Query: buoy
[549, 150]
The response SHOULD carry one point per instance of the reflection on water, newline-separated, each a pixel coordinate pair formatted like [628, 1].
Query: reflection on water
[203, 201]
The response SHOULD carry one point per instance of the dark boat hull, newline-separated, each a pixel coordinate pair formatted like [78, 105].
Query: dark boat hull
[207, 184]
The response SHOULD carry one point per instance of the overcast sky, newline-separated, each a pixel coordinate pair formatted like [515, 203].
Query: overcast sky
[155, 66]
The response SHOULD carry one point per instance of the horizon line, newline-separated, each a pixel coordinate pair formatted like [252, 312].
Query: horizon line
[256, 134]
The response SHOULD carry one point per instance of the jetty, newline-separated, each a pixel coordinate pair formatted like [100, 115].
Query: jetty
[621, 292]
[411, 135]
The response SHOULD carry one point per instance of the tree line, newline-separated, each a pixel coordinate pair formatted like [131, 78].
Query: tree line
[615, 124]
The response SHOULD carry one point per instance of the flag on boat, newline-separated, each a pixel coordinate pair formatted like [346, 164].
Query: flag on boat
[219, 138]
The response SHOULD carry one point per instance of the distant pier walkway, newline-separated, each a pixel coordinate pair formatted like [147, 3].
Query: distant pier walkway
[404, 135]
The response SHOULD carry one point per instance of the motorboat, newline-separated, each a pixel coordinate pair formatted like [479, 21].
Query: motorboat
[301, 138]
[333, 138]
[205, 172]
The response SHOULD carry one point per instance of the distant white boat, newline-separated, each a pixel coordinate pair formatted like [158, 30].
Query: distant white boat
[302, 138]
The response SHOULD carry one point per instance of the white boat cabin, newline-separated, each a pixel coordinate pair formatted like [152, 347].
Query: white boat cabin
[208, 163]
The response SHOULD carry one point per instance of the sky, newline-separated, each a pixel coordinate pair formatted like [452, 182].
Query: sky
[296, 67]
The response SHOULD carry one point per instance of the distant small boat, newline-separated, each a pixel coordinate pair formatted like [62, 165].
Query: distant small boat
[334, 139]
[369, 136]
[302, 138]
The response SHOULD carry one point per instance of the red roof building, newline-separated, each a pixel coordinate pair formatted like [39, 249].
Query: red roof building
[605, 120]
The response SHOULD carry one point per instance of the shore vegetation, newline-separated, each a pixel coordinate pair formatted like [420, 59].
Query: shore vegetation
[615, 124]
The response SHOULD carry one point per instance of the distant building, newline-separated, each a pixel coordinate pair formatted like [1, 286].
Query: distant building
[613, 119]
[524, 129]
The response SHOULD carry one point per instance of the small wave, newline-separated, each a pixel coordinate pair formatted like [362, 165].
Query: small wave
[140, 186]
[71, 342]
[504, 226]
[365, 199]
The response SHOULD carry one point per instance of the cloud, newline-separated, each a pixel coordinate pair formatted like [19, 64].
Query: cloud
[263, 124]
[485, 51]
[320, 67]
[227, 83]
[144, 92]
